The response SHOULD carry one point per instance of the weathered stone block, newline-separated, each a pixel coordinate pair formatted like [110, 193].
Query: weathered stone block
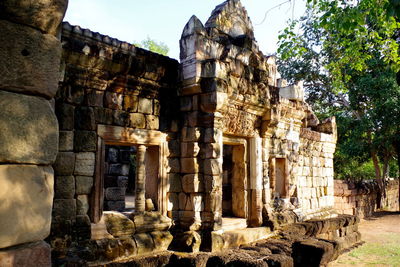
[84, 185]
[30, 60]
[64, 187]
[113, 100]
[64, 209]
[174, 165]
[189, 165]
[84, 164]
[189, 149]
[131, 103]
[211, 135]
[144, 243]
[122, 181]
[29, 129]
[190, 134]
[85, 141]
[212, 182]
[32, 254]
[161, 240]
[175, 184]
[44, 15]
[145, 106]
[94, 98]
[137, 120]
[66, 141]
[185, 202]
[120, 118]
[174, 148]
[152, 122]
[191, 183]
[173, 201]
[65, 163]
[103, 115]
[26, 197]
[65, 115]
[212, 167]
[118, 224]
[115, 193]
[150, 221]
[112, 155]
[119, 169]
[84, 119]
[82, 204]
[127, 247]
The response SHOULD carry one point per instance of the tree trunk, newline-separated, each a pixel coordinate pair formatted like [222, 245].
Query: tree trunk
[397, 149]
[378, 176]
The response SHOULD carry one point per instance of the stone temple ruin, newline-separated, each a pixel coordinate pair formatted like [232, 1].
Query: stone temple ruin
[148, 154]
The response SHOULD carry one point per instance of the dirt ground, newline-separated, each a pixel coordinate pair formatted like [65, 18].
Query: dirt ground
[381, 234]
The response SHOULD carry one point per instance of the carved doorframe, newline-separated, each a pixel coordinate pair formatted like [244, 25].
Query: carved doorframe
[240, 141]
[116, 135]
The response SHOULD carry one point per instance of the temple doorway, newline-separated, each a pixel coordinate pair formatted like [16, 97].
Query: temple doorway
[234, 181]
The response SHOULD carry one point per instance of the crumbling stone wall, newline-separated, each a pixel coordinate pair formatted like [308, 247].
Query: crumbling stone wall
[112, 93]
[224, 92]
[361, 199]
[30, 57]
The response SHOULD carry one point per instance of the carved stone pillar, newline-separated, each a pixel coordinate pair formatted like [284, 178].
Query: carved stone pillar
[140, 198]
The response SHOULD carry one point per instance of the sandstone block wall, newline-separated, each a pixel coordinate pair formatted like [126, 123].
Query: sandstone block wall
[315, 171]
[361, 200]
[225, 92]
[232, 95]
[131, 94]
[30, 58]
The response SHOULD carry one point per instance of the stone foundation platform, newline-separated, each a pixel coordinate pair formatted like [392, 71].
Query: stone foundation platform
[310, 243]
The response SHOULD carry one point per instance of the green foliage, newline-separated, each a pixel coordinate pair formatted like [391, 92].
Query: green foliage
[347, 53]
[154, 46]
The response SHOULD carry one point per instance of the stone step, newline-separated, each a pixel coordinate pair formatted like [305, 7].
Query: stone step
[231, 223]
[234, 238]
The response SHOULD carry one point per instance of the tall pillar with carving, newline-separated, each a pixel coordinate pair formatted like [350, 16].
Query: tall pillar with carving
[30, 55]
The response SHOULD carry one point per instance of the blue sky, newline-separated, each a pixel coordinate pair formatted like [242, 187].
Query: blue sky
[163, 20]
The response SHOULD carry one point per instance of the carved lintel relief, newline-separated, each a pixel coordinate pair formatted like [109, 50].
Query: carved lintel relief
[239, 122]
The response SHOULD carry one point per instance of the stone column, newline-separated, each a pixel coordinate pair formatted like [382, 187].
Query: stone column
[286, 181]
[30, 56]
[255, 181]
[272, 175]
[140, 197]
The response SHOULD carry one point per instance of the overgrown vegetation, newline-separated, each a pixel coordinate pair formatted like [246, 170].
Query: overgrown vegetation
[347, 53]
[154, 46]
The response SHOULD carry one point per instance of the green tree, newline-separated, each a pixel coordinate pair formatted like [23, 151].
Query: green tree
[347, 53]
[154, 46]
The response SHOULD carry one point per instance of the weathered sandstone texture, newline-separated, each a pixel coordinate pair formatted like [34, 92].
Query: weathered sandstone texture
[361, 199]
[26, 193]
[30, 56]
[216, 144]
[29, 130]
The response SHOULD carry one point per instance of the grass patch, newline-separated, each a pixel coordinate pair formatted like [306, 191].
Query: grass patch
[385, 252]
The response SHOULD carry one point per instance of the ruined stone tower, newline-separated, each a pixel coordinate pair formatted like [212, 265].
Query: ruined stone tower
[149, 153]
